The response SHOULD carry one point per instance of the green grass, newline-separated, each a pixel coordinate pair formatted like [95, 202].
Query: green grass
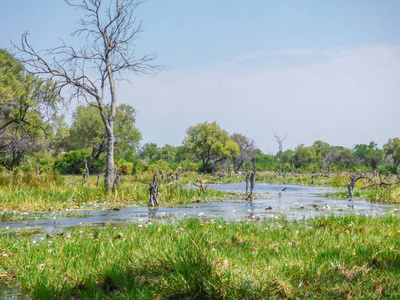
[50, 192]
[324, 258]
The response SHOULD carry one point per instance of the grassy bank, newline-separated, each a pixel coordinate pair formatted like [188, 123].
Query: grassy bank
[333, 258]
[28, 192]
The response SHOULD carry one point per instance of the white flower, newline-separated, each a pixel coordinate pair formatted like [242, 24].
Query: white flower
[42, 266]
[5, 255]
[50, 250]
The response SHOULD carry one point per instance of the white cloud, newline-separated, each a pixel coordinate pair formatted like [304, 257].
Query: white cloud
[341, 96]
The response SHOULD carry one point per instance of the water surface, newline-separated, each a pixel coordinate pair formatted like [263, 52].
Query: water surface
[270, 201]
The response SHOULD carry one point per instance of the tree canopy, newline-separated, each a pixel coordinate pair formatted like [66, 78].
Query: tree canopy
[87, 130]
[210, 143]
[392, 150]
[27, 105]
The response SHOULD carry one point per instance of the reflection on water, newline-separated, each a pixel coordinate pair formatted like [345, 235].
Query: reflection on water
[10, 292]
[271, 201]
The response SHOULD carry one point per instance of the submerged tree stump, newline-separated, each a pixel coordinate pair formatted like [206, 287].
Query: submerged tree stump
[252, 176]
[153, 188]
[353, 180]
[85, 174]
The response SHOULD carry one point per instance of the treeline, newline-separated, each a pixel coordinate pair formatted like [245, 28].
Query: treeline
[33, 133]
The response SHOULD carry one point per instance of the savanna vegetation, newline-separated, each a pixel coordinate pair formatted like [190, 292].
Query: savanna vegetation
[50, 168]
[328, 258]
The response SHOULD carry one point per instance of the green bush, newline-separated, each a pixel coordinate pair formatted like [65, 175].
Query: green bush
[72, 162]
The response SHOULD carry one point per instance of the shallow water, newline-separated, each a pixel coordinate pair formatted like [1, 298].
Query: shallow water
[270, 202]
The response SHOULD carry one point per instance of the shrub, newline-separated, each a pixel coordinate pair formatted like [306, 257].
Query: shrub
[72, 162]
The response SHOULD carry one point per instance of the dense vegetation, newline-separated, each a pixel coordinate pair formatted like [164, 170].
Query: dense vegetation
[324, 258]
[42, 160]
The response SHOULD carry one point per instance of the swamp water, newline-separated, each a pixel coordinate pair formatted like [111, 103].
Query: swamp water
[270, 202]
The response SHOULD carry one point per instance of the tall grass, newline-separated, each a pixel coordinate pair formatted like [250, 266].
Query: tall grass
[324, 258]
[49, 191]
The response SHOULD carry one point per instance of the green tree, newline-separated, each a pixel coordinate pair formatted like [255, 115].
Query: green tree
[304, 156]
[209, 143]
[392, 150]
[369, 155]
[149, 151]
[27, 105]
[87, 130]
[246, 151]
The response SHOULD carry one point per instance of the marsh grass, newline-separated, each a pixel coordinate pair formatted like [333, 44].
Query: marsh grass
[324, 258]
[28, 192]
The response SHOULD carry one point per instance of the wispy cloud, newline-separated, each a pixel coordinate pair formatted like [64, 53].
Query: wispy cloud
[350, 96]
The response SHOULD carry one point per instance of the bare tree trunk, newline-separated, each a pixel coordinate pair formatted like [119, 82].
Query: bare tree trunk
[247, 183]
[85, 175]
[110, 172]
[279, 140]
[98, 180]
[252, 180]
[153, 188]
[353, 179]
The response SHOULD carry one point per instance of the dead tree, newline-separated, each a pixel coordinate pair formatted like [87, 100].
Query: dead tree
[85, 174]
[170, 177]
[247, 182]
[279, 140]
[98, 179]
[382, 182]
[153, 188]
[201, 184]
[108, 30]
[252, 180]
[177, 176]
[353, 180]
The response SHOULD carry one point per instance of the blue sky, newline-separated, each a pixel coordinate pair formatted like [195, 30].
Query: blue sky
[317, 70]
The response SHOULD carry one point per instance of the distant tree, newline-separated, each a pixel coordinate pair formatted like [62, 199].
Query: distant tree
[87, 130]
[368, 155]
[323, 151]
[345, 159]
[209, 143]
[304, 156]
[247, 151]
[280, 141]
[167, 153]
[392, 150]
[149, 151]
